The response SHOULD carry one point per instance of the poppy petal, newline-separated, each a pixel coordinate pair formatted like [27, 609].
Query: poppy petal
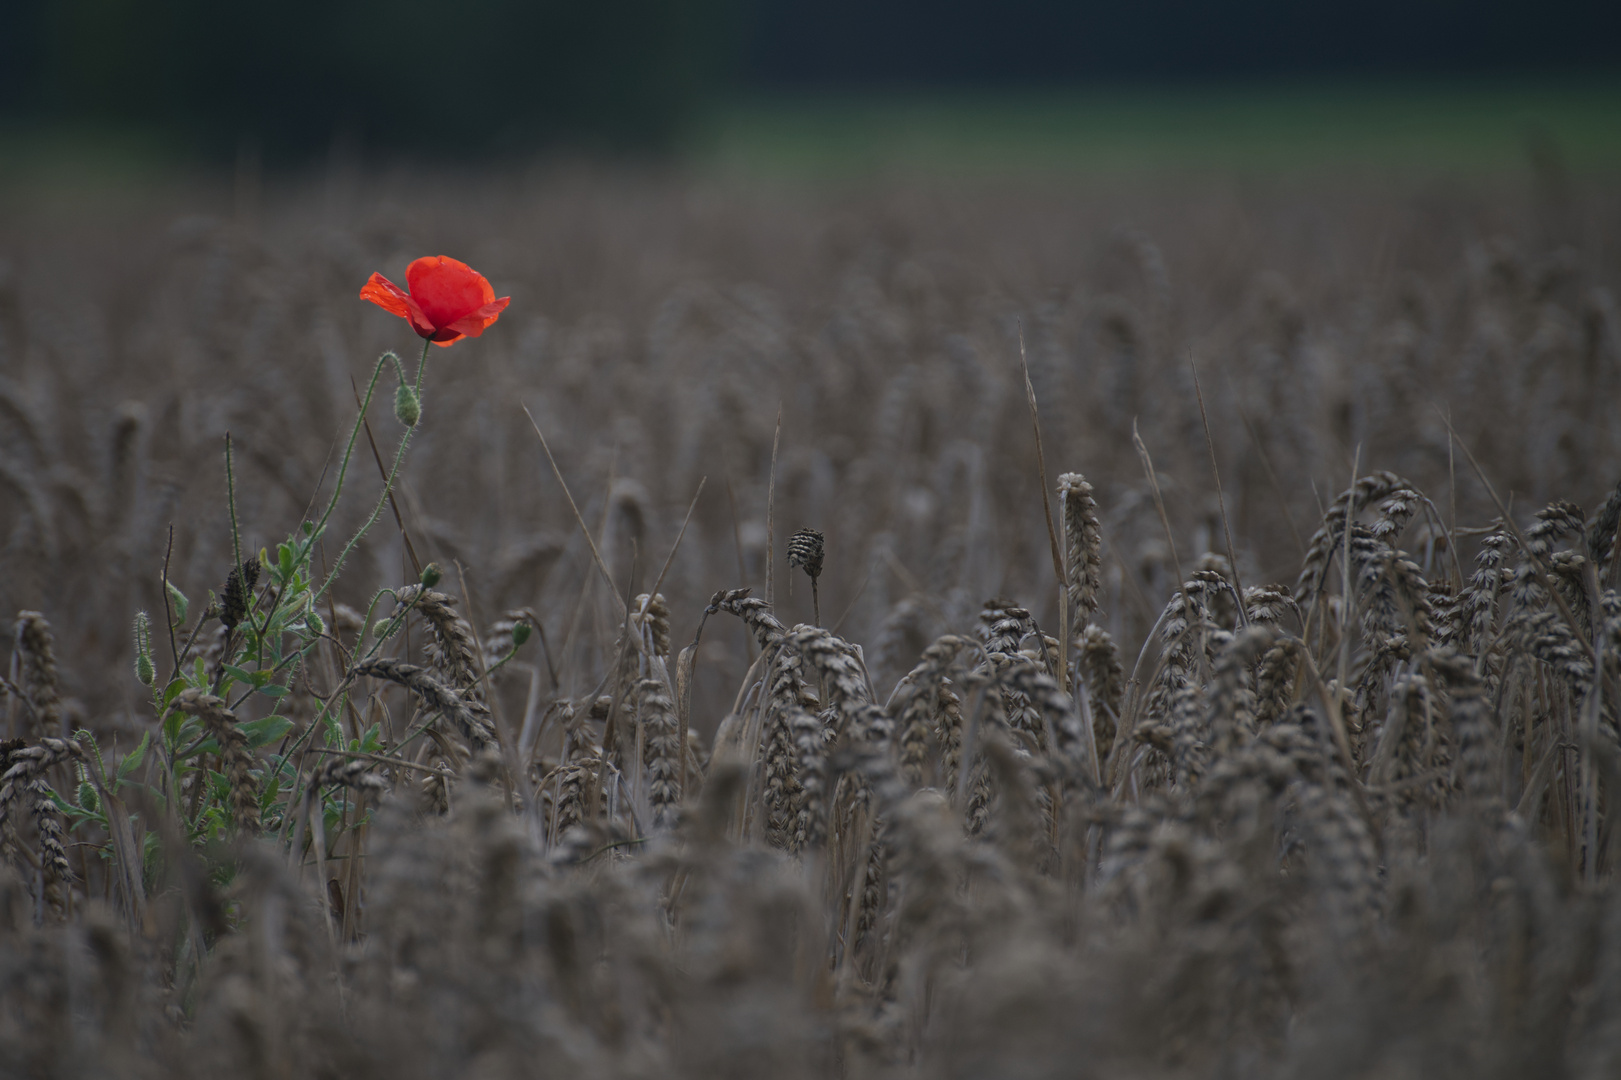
[475, 323]
[387, 295]
[396, 301]
[447, 289]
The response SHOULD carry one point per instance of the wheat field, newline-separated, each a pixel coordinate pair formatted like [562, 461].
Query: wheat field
[1131, 627]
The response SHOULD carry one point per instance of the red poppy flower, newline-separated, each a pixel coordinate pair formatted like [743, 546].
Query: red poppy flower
[448, 301]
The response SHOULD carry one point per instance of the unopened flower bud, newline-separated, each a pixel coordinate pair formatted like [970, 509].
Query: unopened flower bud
[407, 406]
[178, 602]
[520, 633]
[431, 575]
[144, 670]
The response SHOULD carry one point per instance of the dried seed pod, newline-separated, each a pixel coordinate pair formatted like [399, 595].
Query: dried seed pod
[239, 593]
[805, 549]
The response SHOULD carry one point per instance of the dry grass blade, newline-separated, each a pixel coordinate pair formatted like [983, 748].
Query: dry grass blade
[679, 536]
[771, 517]
[1221, 496]
[585, 531]
[1047, 509]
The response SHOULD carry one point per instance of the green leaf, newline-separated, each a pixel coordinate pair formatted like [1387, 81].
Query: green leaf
[172, 691]
[275, 691]
[207, 746]
[256, 679]
[133, 759]
[267, 730]
[210, 823]
[67, 809]
[177, 601]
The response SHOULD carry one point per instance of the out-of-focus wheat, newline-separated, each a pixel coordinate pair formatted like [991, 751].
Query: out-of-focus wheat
[1360, 824]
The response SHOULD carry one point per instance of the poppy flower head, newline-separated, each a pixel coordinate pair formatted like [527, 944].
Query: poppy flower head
[448, 300]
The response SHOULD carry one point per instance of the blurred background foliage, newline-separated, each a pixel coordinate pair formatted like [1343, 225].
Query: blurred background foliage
[435, 78]
[465, 79]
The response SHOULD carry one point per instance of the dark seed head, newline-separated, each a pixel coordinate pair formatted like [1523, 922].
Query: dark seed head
[239, 593]
[805, 549]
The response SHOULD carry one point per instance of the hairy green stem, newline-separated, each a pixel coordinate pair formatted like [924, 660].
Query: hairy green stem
[388, 485]
[348, 452]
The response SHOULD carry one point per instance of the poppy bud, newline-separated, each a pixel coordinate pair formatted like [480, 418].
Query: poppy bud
[316, 624]
[520, 633]
[431, 575]
[407, 406]
[177, 601]
[144, 670]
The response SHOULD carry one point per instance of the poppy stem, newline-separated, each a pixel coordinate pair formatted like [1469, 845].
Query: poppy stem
[388, 489]
[388, 482]
[348, 451]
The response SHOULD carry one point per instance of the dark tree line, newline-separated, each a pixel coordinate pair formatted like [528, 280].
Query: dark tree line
[430, 77]
[465, 76]
[958, 42]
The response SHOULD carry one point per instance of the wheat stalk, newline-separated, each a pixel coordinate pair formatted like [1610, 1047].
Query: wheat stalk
[235, 756]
